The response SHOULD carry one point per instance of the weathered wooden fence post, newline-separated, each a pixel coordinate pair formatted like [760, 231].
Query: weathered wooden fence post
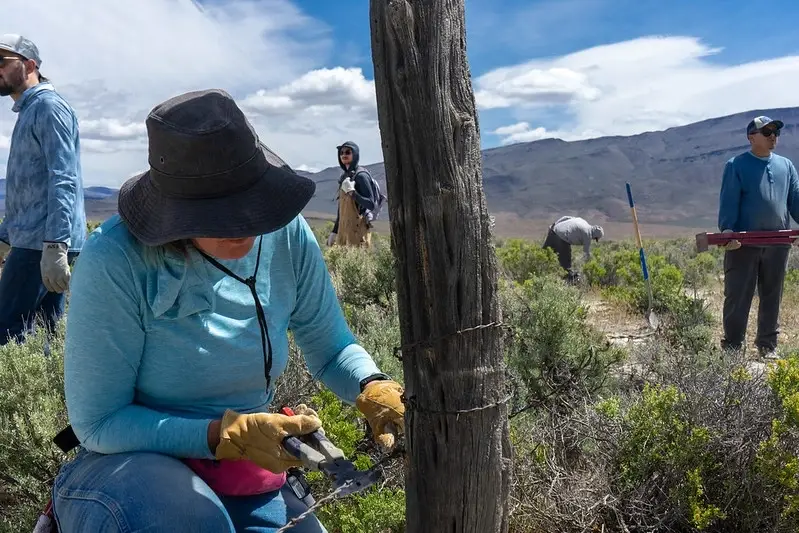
[459, 453]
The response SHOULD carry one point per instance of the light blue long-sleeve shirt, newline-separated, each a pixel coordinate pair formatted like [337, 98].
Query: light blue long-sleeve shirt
[44, 185]
[159, 345]
[758, 194]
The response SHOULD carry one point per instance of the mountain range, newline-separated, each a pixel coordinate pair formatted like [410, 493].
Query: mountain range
[675, 174]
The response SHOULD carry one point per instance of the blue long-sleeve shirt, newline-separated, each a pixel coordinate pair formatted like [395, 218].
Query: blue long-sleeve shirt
[758, 194]
[44, 187]
[158, 345]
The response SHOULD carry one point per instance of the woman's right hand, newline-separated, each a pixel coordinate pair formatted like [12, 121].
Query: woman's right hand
[259, 437]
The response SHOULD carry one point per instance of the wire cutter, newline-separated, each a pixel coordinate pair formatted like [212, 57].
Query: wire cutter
[318, 453]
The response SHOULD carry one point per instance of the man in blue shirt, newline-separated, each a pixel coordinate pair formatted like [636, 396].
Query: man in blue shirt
[759, 192]
[45, 224]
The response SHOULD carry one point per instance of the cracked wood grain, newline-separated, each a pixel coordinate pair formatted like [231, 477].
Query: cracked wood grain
[458, 474]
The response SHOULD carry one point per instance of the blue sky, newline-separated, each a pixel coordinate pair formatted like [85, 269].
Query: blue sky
[302, 69]
[508, 32]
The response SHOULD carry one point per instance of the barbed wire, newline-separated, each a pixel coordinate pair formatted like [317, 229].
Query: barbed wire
[398, 351]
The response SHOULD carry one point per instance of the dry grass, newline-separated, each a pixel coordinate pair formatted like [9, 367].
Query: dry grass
[621, 325]
[789, 317]
[618, 322]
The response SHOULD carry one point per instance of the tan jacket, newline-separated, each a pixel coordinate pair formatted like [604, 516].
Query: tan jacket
[353, 229]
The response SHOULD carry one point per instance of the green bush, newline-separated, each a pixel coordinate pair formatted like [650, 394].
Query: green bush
[363, 276]
[704, 445]
[371, 511]
[660, 440]
[32, 411]
[552, 352]
[521, 260]
[689, 325]
[619, 275]
[778, 456]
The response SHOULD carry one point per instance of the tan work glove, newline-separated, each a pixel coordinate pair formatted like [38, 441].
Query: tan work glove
[381, 403]
[55, 267]
[259, 437]
[733, 244]
[4, 249]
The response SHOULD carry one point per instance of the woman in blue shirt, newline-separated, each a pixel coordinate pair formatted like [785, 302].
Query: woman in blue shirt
[178, 327]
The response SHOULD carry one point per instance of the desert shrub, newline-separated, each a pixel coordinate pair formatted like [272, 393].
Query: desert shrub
[321, 231]
[363, 276]
[378, 331]
[698, 271]
[687, 322]
[552, 352]
[703, 445]
[296, 384]
[619, 275]
[32, 411]
[366, 287]
[521, 260]
[688, 325]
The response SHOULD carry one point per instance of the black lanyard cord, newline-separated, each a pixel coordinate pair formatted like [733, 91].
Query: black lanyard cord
[266, 343]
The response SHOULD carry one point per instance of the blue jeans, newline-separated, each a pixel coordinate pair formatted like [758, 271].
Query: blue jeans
[131, 492]
[23, 297]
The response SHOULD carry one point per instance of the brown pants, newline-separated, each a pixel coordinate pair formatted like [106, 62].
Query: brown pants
[353, 229]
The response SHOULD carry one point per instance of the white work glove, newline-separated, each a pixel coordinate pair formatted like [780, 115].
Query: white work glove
[331, 239]
[4, 249]
[347, 186]
[733, 244]
[55, 267]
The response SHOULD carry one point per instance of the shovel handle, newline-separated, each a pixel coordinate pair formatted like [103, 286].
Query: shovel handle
[641, 254]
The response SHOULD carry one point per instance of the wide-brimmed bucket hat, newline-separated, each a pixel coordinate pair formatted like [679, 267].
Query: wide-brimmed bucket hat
[209, 176]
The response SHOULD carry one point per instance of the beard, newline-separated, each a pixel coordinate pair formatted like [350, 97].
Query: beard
[12, 82]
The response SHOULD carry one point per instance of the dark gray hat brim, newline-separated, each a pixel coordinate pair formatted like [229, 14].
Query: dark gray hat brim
[270, 204]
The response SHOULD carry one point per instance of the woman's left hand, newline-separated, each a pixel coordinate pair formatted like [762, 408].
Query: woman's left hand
[381, 403]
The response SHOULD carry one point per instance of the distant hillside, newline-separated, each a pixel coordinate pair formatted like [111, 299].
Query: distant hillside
[675, 174]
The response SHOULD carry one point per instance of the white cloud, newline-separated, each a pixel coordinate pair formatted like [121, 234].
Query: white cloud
[114, 61]
[308, 117]
[111, 129]
[336, 88]
[306, 168]
[521, 132]
[526, 85]
[127, 57]
[634, 86]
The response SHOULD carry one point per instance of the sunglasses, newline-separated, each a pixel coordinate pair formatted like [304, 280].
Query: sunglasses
[8, 59]
[346, 152]
[769, 133]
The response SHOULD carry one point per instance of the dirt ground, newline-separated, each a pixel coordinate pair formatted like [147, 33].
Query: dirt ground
[622, 327]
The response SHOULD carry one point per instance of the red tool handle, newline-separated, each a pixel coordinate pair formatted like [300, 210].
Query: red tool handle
[286, 410]
[719, 238]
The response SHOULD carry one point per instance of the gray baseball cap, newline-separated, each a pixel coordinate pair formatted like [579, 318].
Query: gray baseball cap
[20, 45]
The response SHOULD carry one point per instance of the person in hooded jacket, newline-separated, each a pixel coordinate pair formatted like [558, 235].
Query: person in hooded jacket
[357, 201]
